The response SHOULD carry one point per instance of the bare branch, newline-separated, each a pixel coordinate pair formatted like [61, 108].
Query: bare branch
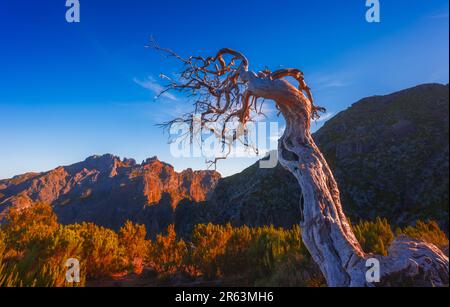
[221, 88]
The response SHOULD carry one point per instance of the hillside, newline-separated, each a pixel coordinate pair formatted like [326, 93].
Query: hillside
[390, 155]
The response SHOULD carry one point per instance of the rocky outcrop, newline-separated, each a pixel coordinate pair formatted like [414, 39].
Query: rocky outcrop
[108, 191]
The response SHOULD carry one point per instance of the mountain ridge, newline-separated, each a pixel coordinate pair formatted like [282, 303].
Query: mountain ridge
[107, 190]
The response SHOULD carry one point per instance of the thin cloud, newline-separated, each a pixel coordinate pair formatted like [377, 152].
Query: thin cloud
[336, 84]
[151, 84]
[326, 83]
[330, 80]
[325, 117]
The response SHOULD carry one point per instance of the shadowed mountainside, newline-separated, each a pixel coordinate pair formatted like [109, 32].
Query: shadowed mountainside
[390, 155]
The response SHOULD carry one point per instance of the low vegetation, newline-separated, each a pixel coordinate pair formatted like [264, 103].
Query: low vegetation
[34, 250]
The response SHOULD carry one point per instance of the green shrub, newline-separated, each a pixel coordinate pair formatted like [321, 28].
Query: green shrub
[294, 270]
[210, 242]
[429, 232]
[269, 246]
[374, 237]
[235, 259]
[243, 251]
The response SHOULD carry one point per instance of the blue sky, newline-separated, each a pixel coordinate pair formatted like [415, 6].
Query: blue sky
[68, 91]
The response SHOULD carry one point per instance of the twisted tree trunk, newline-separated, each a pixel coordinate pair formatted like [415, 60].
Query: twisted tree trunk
[325, 229]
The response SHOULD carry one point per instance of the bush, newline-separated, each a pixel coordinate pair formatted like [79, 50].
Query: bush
[235, 260]
[34, 249]
[167, 254]
[374, 237]
[294, 270]
[34, 270]
[101, 253]
[8, 274]
[269, 246]
[25, 228]
[428, 232]
[210, 242]
[243, 252]
[132, 241]
[38, 248]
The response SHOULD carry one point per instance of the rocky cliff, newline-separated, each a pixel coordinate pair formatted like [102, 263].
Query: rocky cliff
[108, 191]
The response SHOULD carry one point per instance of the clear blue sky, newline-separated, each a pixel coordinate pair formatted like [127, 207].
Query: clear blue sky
[68, 91]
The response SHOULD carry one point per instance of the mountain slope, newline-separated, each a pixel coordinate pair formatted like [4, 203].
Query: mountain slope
[390, 154]
[256, 197]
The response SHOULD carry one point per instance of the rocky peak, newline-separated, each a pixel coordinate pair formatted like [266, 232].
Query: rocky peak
[104, 164]
[108, 190]
[129, 162]
[151, 160]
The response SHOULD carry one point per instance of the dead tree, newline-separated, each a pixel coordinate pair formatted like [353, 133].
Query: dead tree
[225, 90]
